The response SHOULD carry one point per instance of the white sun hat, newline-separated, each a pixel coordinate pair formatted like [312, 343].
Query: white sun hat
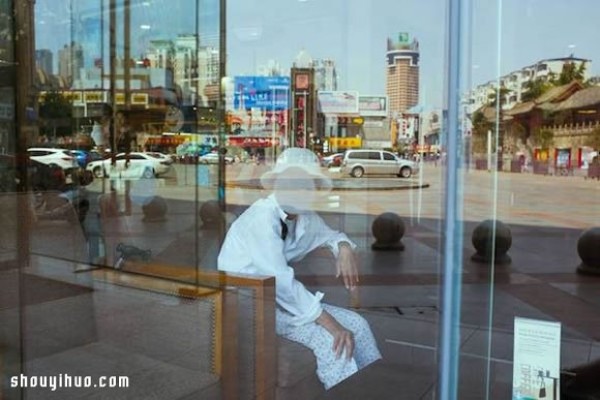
[297, 158]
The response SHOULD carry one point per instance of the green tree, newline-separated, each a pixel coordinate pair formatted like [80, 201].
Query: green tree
[493, 97]
[56, 113]
[481, 126]
[571, 72]
[534, 89]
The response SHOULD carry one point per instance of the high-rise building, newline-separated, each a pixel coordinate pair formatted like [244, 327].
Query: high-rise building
[271, 68]
[195, 69]
[326, 77]
[402, 87]
[70, 62]
[43, 60]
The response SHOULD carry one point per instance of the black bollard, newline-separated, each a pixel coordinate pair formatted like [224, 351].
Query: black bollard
[388, 228]
[489, 235]
[588, 248]
[211, 214]
[155, 210]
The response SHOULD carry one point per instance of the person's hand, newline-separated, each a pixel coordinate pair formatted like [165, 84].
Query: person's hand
[343, 339]
[347, 266]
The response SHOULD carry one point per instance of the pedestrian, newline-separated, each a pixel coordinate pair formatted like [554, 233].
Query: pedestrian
[283, 228]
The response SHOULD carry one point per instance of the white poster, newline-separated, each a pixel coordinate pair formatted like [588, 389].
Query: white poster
[536, 367]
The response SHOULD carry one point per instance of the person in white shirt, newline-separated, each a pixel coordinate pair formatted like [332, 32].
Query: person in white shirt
[282, 228]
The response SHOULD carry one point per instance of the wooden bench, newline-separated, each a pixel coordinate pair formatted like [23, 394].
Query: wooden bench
[231, 293]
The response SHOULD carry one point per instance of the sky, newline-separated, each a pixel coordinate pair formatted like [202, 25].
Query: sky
[504, 35]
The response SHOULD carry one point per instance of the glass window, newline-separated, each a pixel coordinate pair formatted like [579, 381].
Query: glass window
[374, 155]
[492, 111]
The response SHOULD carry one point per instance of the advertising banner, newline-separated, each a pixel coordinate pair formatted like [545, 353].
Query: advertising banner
[536, 366]
[331, 102]
[372, 106]
[260, 105]
[264, 92]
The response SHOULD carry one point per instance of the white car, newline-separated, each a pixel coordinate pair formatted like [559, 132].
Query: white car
[360, 162]
[130, 166]
[213, 158]
[162, 157]
[61, 157]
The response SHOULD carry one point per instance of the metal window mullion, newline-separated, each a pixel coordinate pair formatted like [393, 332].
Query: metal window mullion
[449, 338]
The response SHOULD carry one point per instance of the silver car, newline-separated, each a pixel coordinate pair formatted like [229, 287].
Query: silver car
[357, 163]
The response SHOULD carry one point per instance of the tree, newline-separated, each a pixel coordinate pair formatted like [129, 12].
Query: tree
[534, 89]
[493, 97]
[570, 72]
[56, 113]
[481, 126]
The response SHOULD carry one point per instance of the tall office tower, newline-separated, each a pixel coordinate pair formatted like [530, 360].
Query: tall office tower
[44, 60]
[70, 62]
[271, 68]
[402, 74]
[160, 54]
[185, 66]
[326, 77]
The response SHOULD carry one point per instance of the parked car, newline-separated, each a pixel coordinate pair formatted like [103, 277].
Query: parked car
[357, 163]
[53, 197]
[187, 152]
[213, 158]
[61, 157]
[332, 160]
[130, 166]
[160, 156]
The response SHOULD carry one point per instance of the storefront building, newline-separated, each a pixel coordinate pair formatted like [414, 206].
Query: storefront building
[134, 136]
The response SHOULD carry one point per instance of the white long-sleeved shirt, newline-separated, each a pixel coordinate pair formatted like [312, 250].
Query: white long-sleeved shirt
[254, 245]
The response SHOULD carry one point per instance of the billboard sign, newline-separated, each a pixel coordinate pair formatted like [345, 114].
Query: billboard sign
[331, 102]
[262, 92]
[373, 106]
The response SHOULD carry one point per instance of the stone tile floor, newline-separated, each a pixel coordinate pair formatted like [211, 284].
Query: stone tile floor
[154, 340]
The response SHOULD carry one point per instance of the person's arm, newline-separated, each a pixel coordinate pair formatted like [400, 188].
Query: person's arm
[265, 248]
[339, 244]
[347, 266]
[343, 339]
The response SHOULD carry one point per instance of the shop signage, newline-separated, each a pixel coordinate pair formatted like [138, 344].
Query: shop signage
[139, 99]
[372, 106]
[350, 120]
[93, 97]
[253, 141]
[346, 142]
[536, 359]
[331, 102]
[302, 82]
